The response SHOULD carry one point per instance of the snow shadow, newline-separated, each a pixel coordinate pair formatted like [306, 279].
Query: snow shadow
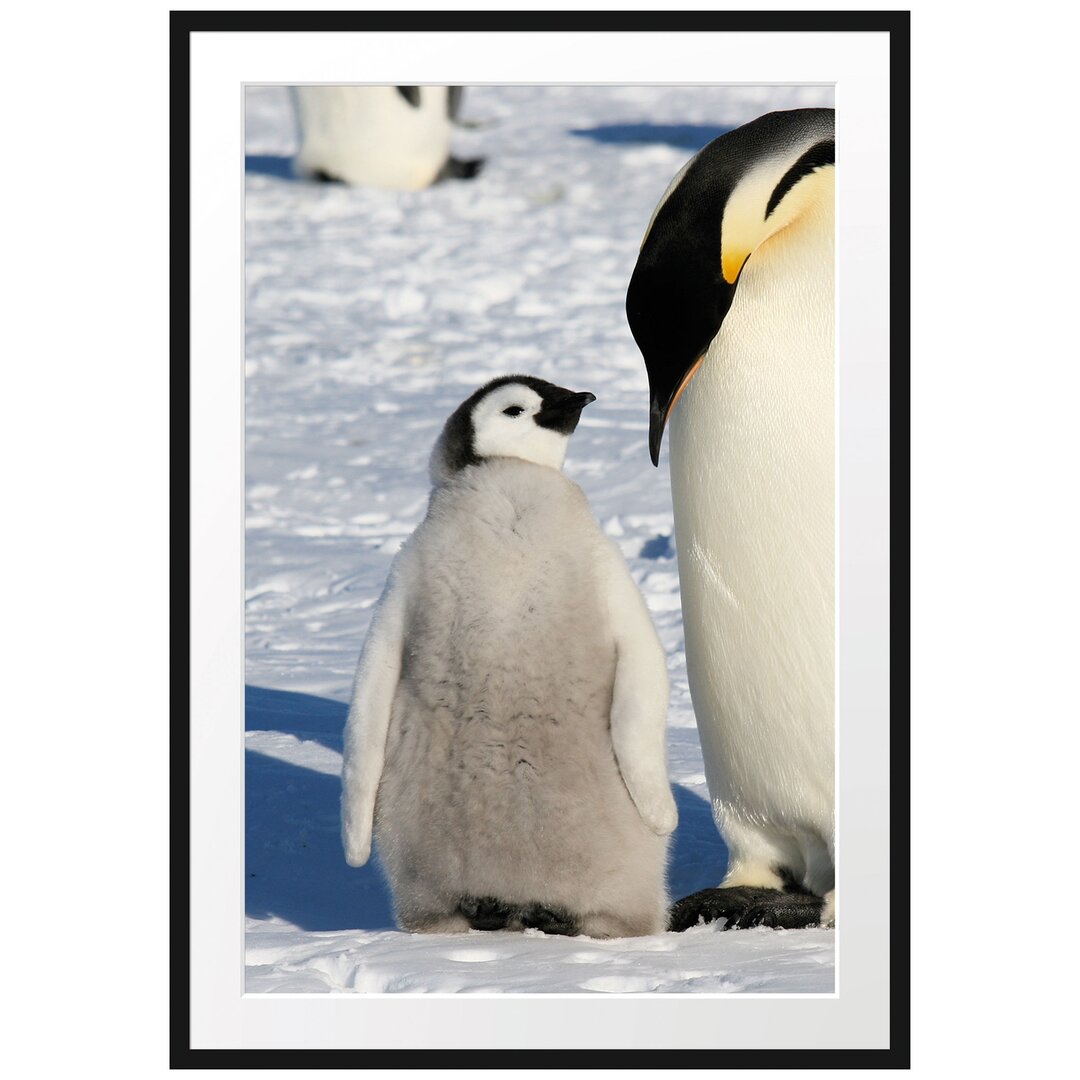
[660, 546]
[295, 868]
[306, 716]
[685, 136]
[698, 857]
[270, 165]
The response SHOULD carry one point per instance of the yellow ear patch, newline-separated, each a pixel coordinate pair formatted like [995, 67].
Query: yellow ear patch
[745, 228]
[731, 262]
[743, 225]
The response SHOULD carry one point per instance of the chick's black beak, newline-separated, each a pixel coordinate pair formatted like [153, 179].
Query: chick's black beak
[562, 414]
[578, 401]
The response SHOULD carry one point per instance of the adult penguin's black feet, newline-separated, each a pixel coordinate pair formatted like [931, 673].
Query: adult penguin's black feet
[743, 906]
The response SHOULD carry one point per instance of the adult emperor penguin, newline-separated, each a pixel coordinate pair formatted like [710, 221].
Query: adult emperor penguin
[381, 136]
[731, 304]
[506, 738]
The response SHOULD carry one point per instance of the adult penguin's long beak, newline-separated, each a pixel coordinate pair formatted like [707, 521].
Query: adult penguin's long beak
[663, 399]
[658, 415]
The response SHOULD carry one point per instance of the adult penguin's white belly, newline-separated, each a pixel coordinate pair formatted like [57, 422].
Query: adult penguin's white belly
[752, 473]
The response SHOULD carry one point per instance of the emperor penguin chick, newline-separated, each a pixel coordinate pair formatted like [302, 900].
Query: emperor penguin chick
[506, 738]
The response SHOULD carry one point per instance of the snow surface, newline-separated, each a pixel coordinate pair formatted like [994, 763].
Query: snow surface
[369, 316]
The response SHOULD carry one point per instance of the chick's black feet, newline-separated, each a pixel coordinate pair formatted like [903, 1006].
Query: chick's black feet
[489, 913]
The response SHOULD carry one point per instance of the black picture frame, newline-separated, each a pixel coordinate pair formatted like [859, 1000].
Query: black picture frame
[183, 24]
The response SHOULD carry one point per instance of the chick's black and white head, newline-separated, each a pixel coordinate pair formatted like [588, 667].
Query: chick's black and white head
[516, 416]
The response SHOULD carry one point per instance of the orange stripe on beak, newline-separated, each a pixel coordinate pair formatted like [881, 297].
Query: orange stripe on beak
[683, 385]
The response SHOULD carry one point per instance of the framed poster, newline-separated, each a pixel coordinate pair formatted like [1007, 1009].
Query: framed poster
[324, 333]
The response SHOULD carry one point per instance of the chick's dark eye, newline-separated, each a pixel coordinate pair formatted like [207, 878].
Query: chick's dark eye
[514, 410]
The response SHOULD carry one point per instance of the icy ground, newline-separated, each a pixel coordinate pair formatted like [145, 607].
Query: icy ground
[370, 315]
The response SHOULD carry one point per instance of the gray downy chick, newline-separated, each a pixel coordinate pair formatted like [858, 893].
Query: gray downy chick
[506, 738]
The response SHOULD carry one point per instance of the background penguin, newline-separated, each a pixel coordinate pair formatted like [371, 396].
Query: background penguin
[506, 737]
[731, 304]
[382, 136]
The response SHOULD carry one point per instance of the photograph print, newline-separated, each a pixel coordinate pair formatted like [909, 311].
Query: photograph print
[540, 603]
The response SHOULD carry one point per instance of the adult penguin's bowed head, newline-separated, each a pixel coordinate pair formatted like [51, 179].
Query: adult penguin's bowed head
[731, 304]
[506, 739]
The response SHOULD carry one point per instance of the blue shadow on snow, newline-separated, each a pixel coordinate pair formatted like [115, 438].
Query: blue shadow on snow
[270, 165]
[303, 715]
[295, 868]
[659, 547]
[684, 136]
